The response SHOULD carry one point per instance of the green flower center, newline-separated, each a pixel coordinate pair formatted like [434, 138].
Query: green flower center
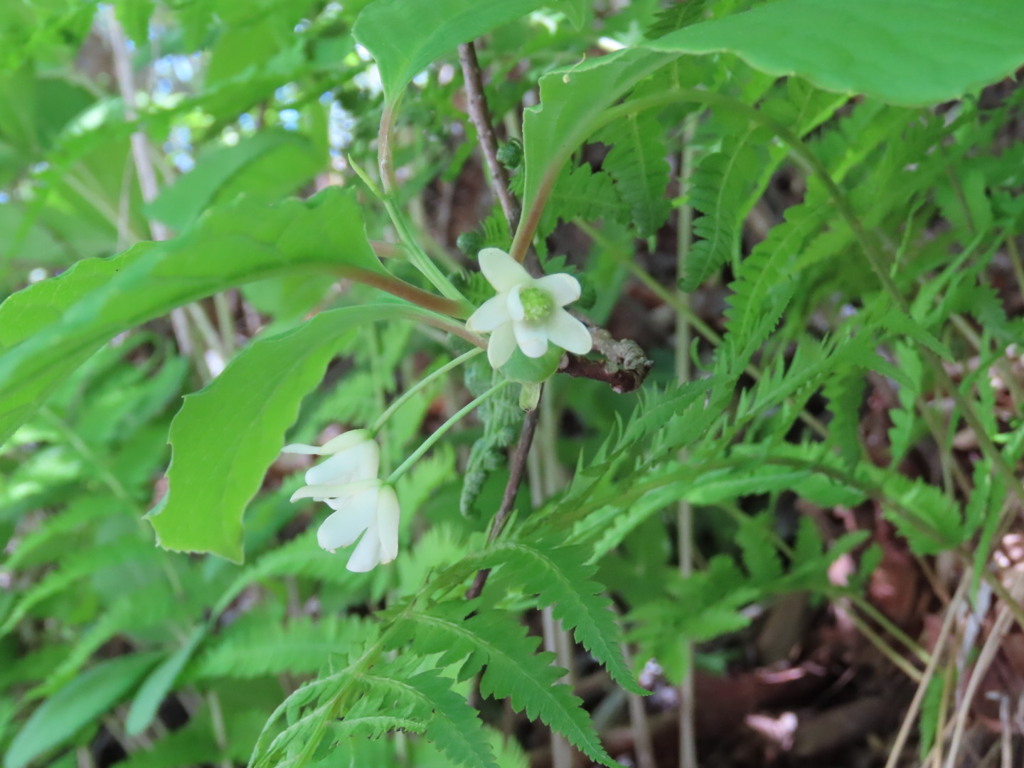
[537, 304]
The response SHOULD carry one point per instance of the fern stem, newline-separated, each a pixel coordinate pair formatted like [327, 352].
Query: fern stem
[684, 511]
[427, 444]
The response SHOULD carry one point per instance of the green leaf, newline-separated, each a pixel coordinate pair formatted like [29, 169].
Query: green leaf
[405, 36]
[638, 164]
[721, 189]
[269, 165]
[220, 452]
[60, 325]
[563, 579]
[454, 727]
[159, 683]
[913, 53]
[571, 100]
[75, 706]
[497, 642]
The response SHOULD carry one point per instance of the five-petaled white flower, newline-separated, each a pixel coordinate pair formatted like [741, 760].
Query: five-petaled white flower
[527, 311]
[347, 482]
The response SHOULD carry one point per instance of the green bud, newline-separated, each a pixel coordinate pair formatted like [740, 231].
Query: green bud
[537, 304]
[510, 154]
[470, 242]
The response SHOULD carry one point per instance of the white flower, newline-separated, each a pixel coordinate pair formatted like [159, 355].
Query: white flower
[527, 311]
[347, 482]
[354, 456]
[368, 506]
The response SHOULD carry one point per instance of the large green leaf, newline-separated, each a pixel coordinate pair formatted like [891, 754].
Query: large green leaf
[912, 52]
[55, 325]
[75, 705]
[226, 436]
[404, 36]
[268, 166]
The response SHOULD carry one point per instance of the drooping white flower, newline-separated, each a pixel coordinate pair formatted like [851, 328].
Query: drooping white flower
[354, 456]
[527, 311]
[368, 508]
[347, 482]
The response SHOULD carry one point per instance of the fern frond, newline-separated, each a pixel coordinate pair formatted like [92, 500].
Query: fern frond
[928, 519]
[192, 745]
[262, 647]
[448, 721]
[34, 548]
[676, 16]
[906, 425]
[581, 193]
[501, 416]
[637, 163]
[845, 394]
[561, 578]
[497, 642]
[722, 188]
[78, 566]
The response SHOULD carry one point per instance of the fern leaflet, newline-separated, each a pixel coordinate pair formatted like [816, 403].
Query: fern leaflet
[637, 163]
[562, 579]
[495, 640]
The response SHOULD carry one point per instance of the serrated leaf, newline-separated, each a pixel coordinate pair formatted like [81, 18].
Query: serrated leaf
[220, 452]
[910, 53]
[638, 163]
[234, 245]
[562, 579]
[513, 669]
[721, 189]
[454, 727]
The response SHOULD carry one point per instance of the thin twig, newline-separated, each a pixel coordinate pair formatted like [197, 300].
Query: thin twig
[517, 469]
[141, 159]
[480, 115]
[684, 511]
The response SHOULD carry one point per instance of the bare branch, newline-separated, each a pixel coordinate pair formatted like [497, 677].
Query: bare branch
[480, 115]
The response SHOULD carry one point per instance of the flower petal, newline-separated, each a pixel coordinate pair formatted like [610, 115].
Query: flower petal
[344, 526]
[347, 440]
[563, 288]
[316, 450]
[334, 490]
[488, 315]
[501, 346]
[531, 338]
[501, 270]
[366, 556]
[388, 513]
[358, 461]
[334, 445]
[514, 304]
[567, 332]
